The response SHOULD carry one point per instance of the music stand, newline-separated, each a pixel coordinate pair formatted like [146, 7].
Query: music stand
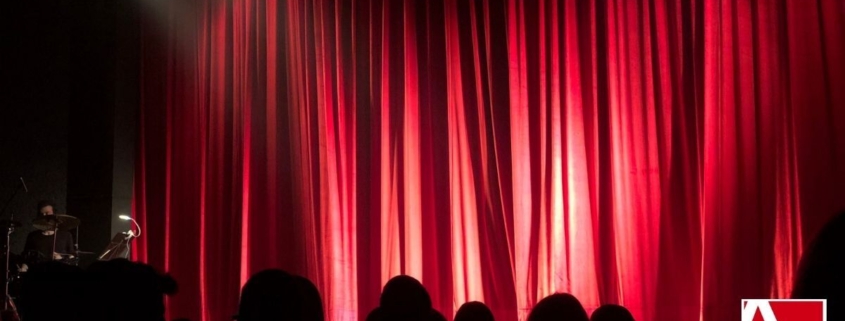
[118, 248]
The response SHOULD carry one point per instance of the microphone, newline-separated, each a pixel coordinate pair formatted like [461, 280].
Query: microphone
[24, 185]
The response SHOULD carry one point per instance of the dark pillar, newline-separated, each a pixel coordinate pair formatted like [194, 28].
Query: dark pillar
[102, 122]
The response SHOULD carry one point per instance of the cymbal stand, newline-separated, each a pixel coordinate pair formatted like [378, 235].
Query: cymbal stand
[76, 242]
[7, 299]
[55, 233]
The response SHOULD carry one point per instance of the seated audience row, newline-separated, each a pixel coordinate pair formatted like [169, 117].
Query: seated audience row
[277, 295]
[129, 291]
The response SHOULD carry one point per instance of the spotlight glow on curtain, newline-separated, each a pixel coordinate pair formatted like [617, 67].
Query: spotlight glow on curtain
[670, 156]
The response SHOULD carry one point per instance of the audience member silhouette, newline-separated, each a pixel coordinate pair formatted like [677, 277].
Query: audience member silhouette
[126, 291]
[404, 298]
[277, 295]
[375, 315]
[434, 315]
[263, 295]
[611, 312]
[474, 311]
[52, 291]
[821, 272]
[312, 304]
[558, 307]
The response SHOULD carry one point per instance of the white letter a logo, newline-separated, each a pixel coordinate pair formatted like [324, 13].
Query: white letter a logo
[750, 309]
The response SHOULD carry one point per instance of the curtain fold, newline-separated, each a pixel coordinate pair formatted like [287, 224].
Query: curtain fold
[669, 156]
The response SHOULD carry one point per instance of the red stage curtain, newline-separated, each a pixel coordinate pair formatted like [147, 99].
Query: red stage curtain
[670, 156]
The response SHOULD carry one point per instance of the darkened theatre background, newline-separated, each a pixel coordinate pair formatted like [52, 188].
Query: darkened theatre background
[670, 156]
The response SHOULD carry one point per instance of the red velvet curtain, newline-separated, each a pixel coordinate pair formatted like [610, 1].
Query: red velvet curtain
[671, 156]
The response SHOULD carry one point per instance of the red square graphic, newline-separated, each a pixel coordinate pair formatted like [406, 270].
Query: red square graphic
[784, 310]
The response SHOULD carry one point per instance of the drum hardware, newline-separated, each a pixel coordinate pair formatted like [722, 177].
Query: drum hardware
[10, 224]
[55, 223]
[15, 265]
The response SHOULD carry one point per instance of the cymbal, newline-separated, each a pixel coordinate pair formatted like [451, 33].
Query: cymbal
[57, 221]
[9, 223]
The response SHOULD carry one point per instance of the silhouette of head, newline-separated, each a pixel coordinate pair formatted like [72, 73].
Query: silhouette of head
[474, 311]
[52, 291]
[404, 297]
[558, 306]
[127, 291]
[436, 316]
[431, 315]
[375, 315]
[820, 272]
[611, 312]
[312, 305]
[277, 295]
